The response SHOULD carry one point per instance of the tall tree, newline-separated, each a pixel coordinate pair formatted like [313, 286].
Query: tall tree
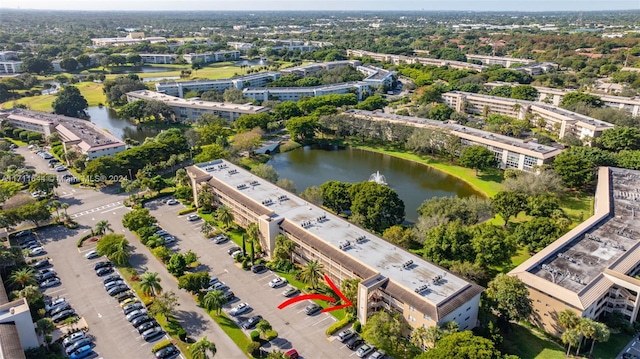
[23, 277]
[225, 215]
[202, 349]
[165, 304]
[380, 205]
[70, 102]
[150, 284]
[284, 248]
[601, 335]
[336, 196]
[571, 337]
[253, 235]
[479, 158]
[463, 345]
[509, 297]
[102, 227]
[312, 274]
[214, 301]
[385, 331]
[509, 204]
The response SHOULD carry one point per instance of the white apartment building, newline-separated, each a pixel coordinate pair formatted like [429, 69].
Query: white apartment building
[208, 57]
[192, 109]
[17, 330]
[509, 152]
[178, 88]
[240, 46]
[10, 67]
[402, 59]
[296, 93]
[316, 67]
[8, 56]
[159, 58]
[391, 278]
[499, 60]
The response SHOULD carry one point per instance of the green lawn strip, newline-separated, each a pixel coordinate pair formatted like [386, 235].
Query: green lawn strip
[526, 344]
[184, 347]
[232, 330]
[610, 349]
[489, 184]
[90, 90]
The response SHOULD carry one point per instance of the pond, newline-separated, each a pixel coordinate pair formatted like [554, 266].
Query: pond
[313, 165]
[144, 69]
[108, 119]
[259, 62]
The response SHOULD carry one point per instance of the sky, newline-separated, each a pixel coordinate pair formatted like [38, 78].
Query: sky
[262, 5]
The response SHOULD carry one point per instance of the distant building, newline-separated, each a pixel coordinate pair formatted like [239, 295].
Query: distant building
[499, 60]
[209, 57]
[192, 109]
[297, 93]
[178, 88]
[76, 133]
[391, 278]
[159, 58]
[510, 152]
[8, 56]
[10, 67]
[592, 270]
[240, 46]
[557, 120]
[402, 59]
[133, 38]
[305, 70]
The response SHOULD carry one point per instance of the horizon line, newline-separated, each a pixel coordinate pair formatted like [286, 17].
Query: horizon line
[317, 10]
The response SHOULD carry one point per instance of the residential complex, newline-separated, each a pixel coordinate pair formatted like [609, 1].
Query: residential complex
[557, 120]
[178, 88]
[297, 93]
[133, 38]
[208, 57]
[74, 133]
[554, 96]
[592, 269]
[9, 62]
[17, 331]
[391, 278]
[159, 58]
[509, 152]
[403, 59]
[305, 70]
[192, 109]
[499, 60]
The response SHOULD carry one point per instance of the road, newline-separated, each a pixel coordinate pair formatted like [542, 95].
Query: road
[631, 350]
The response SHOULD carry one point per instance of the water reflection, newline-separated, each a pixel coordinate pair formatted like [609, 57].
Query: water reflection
[107, 118]
[260, 62]
[414, 182]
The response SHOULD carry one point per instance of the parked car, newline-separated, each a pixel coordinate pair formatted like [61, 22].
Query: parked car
[51, 282]
[378, 354]
[258, 268]
[73, 337]
[61, 168]
[37, 251]
[91, 255]
[229, 295]
[43, 263]
[252, 322]
[168, 352]
[104, 271]
[233, 249]
[132, 307]
[290, 292]
[236, 253]
[172, 202]
[152, 333]
[220, 238]
[364, 350]
[193, 217]
[218, 286]
[54, 304]
[345, 335]
[79, 344]
[161, 233]
[277, 282]
[146, 326]
[29, 244]
[41, 277]
[141, 320]
[354, 342]
[213, 280]
[59, 309]
[136, 314]
[117, 290]
[113, 283]
[126, 298]
[292, 354]
[82, 352]
[240, 309]
[111, 278]
[169, 239]
[103, 264]
[25, 233]
[63, 315]
[312, 309]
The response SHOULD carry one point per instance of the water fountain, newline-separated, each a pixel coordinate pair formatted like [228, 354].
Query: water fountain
[378, 178]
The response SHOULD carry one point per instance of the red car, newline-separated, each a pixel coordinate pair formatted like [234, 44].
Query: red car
[292, 354]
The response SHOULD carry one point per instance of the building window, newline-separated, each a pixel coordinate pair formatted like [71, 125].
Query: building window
[513, 160]
[412, 308]
[529, 162]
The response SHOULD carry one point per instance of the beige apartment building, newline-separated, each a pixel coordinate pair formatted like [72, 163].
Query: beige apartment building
[592, 269]
[391, 278]
[509, 152]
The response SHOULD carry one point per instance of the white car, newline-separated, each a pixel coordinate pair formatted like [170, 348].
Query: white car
[239, 309]
[37, 251]
[193, 217]
[172, 202]
[278, 282]
[112, 284]
[169, 239]
[364, 350]
[50, 283]
[91, 255]
[135, 314]
[61, 168]
[55, 304]
[74, 337]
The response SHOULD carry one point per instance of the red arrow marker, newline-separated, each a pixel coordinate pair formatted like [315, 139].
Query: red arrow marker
[348, 303]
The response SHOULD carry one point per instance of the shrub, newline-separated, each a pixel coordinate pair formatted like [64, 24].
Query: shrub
[339, 325]
[162, 344]
[162, 253]
[182, 334]
[357, 327]
[270, 335]
[255, 336]
[253, 347]
[83, 238]
[245, 264]
[185, 211]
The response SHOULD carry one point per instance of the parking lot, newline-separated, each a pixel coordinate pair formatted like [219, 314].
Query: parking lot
[295, 329]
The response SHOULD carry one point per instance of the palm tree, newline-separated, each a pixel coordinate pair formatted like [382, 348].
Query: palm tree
[207, 228]
[45, 327]
[121, 256]
[23, 277]
[263, 326]
[602, 335]
[571, 337]
[432, 335]
[225, 216]
[284, 248]
[150, 284]
[56, 205]
[586, 328]
[568, 319]
[418, 337]
[65, 206]
[201, 349]
[253, 234]
[31, 293]
[312, 274]
[214, 300]
[102, 227]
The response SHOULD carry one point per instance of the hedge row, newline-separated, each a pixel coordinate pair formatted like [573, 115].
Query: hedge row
[339, 325]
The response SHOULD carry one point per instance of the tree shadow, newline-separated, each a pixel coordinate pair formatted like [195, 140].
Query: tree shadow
[71, 201]
[138, 260]
[279, 342]
[193, 322]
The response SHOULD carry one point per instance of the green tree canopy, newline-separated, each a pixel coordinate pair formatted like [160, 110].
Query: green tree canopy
[463, 345]
[620, 138]
[509, 297]
[380, 205]
[479, 158]
[385, 331]
[70, 102]
[335, 195]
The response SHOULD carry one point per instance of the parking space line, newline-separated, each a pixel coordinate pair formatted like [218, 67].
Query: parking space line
[320, 321]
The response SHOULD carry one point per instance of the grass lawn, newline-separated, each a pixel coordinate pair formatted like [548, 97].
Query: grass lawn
[232, 330]
[612, 348]
[90, 90]
[526, 344]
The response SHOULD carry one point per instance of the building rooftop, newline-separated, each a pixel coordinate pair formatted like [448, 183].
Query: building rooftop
[371, 252]
[341, 85]
[220, 81]
[10, 346]
[196, 103]
[542, 150]
[574, 116]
